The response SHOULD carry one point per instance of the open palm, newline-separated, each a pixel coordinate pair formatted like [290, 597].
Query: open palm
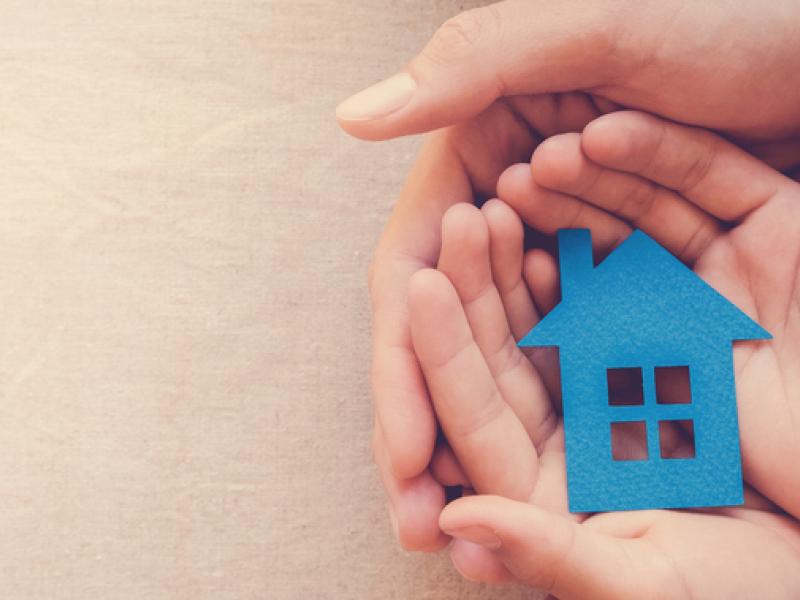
[679, 185]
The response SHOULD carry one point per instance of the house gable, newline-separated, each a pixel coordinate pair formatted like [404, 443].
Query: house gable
[638, 295]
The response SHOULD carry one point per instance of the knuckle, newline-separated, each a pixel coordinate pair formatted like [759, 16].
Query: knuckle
[697, 242]
[639, 201]
[461, 34]
[700, 166]
[506, 359]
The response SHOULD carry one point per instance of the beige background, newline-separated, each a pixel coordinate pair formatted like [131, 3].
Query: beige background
[184, 348]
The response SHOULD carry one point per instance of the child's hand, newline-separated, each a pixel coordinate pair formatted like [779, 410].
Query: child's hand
[726, 214]
[500, 420]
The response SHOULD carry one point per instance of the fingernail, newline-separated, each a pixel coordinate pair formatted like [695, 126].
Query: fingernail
[477, 534]
[378, 101]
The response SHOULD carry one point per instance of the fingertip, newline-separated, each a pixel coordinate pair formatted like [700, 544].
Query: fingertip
[363, 130]
[557, 160]
[610, 140]
[446, 469]
[416, 511]
[540, 259]
[407, 446]
[429, 289]
[466, 511]
[496, 521]
[514, 182]
[415, 503]
[503, 222]
[463, 225]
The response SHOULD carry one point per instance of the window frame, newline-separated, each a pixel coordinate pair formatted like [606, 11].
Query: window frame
[651, 412]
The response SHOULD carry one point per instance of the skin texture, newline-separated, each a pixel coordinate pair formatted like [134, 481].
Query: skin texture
[737, 223]
[500, 79]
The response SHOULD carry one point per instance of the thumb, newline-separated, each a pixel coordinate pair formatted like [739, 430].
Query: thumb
[553, 552]
[512, 47]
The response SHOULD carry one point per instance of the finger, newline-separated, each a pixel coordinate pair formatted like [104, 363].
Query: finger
[410, 242]
[414, 504]
[548, 211]
[541, 275]
[476, 563]
[485, 434]
[509, 48]
[445, 467]
[559, 164]
[711, 172]
[506, 247]
[465, 260]
[554, 553]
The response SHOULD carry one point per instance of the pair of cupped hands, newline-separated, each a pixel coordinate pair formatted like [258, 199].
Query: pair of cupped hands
[531, 104]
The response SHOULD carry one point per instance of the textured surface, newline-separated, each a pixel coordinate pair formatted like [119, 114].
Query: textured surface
[184, 352]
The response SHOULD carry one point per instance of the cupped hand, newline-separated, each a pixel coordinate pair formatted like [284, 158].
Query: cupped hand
[459, 164]
[500, 420]
[726, 214]
[729, 66]
[506, 75]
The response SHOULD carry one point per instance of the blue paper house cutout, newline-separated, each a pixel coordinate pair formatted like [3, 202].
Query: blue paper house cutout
[642, 308]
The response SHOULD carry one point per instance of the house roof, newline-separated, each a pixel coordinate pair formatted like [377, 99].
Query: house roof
[640, 293]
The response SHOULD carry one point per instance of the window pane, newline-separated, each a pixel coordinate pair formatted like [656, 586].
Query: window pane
[625, 386]
[676, 438]
[672, 385]
[629, 440]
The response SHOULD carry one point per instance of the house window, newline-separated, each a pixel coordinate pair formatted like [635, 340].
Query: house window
[625, 386]
[676, 438]
[650, 409]
[629, 440]
[672, 385]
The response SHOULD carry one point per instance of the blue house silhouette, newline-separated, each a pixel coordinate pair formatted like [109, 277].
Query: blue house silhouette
[642, 309]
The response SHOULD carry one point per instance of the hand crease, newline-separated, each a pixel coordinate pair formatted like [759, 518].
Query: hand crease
[491, 410]
[700, 167]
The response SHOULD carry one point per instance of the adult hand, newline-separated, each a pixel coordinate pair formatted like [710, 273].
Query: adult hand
[501, 73]
[729, 66]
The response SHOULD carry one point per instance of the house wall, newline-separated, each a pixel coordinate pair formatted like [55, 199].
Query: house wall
[597, 482]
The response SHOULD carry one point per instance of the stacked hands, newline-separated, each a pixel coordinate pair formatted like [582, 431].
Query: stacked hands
[453, 287]
[498, 408]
